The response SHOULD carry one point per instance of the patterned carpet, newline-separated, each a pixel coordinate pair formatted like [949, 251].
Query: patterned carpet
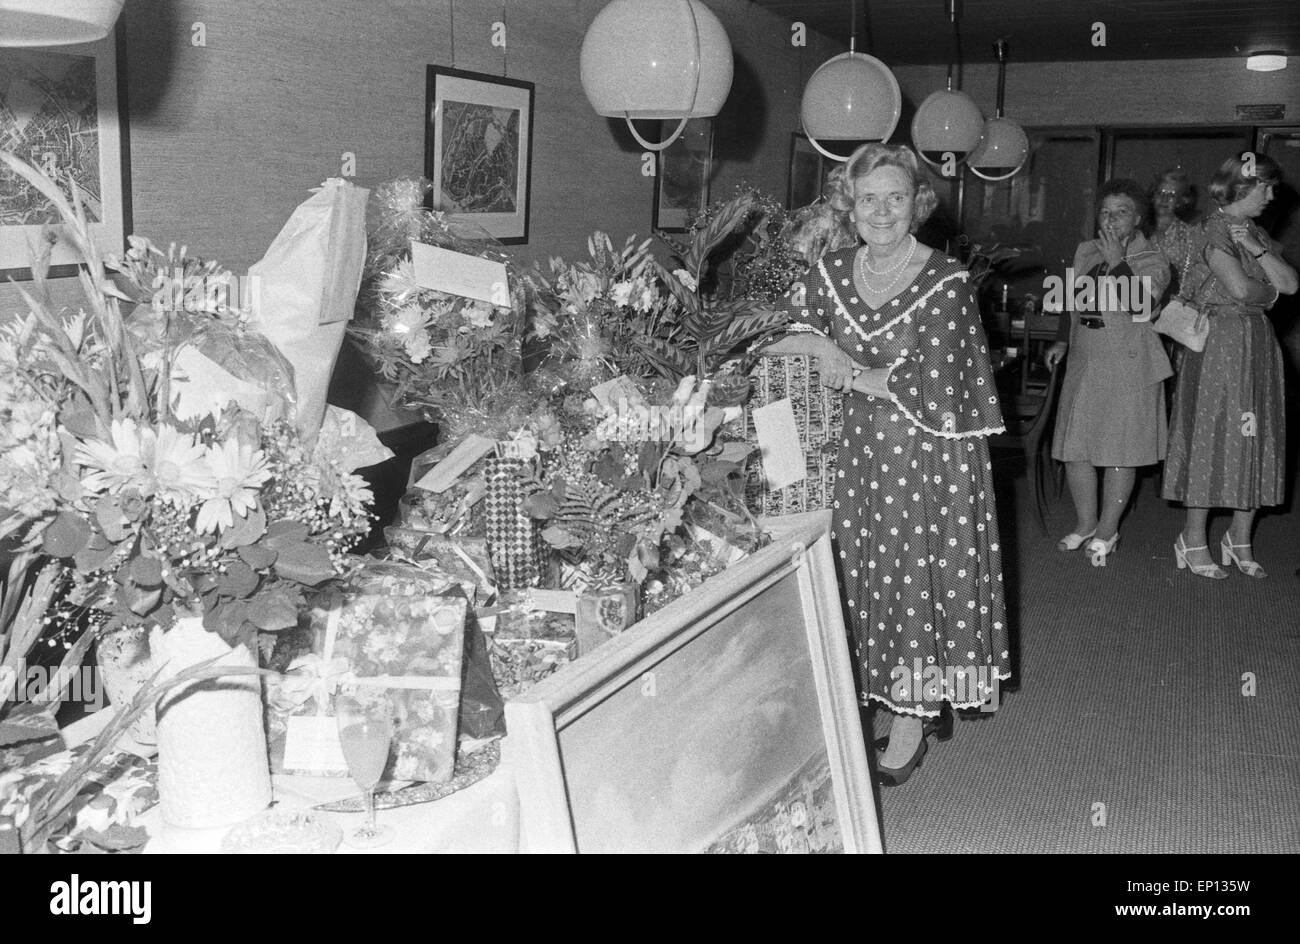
[1127, 729]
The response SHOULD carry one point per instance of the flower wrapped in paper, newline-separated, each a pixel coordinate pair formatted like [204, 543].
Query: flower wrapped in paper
[441, 312]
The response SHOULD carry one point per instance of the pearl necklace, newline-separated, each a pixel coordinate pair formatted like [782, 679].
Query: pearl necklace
[900, 268]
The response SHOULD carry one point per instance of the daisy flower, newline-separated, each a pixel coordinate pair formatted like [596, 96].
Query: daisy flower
[179, 467]
[120, 462]
[239, 471]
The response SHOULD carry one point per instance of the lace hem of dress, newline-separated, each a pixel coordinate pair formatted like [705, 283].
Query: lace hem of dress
[866, 698]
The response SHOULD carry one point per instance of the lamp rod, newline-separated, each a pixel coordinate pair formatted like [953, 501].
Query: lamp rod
[1000, 53]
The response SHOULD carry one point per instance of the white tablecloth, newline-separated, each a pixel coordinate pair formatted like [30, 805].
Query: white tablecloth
[481, 818]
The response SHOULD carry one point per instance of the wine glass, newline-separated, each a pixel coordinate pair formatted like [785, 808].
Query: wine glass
[366, 735]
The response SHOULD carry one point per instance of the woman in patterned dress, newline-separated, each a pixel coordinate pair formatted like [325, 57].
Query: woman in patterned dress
[894, 326]
[1226, 438]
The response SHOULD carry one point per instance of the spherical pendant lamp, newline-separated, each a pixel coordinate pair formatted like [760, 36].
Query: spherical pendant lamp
[656, 59]
[1005, 146]
[1001, 153]
[948, 122]
[56, 22]
[851, 97]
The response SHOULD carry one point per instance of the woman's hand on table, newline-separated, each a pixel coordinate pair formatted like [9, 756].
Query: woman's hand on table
[1055, 354]
[836, 369]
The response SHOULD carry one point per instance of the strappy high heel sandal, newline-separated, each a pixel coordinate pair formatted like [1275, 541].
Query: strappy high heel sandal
[1229, 556]
[1201, 570]
[1073, 541]
[1099, 550]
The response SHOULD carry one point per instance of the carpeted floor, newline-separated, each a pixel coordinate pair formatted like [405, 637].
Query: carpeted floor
[1128, 727]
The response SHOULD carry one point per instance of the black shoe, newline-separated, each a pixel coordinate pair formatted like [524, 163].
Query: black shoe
[940, 727]
[891, 777]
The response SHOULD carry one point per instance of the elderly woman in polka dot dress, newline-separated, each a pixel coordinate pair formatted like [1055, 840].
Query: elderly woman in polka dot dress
[895, 326]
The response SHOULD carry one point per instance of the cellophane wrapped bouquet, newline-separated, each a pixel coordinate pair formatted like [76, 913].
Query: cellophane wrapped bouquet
[223, 513]
[458, 359]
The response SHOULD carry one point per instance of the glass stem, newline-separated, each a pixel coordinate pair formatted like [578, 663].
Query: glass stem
[370, 811]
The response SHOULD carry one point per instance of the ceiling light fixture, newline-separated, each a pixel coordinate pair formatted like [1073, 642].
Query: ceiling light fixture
[656, 59]
[851, 97]
[1266, 61]
[948, 125]
[1004, 147]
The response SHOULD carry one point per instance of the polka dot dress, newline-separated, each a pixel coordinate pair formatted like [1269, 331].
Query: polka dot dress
[914, 517]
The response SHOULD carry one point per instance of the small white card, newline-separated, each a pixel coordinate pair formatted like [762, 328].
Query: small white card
[552, 601]
[778, 443]
[312, 744]
[443, 475]
[459, 274]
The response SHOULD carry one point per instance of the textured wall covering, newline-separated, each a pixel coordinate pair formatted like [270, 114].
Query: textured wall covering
[227, 138]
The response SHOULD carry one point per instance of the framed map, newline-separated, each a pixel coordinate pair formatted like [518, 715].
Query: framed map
[478, 149]
[64, 111]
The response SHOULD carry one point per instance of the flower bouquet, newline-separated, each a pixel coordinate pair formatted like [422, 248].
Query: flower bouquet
[456, 357]
[217, 522]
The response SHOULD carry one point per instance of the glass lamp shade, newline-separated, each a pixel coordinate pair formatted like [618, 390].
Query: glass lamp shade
[656, 59]
[851, 97]
[56, 22]
[947, 122]
[1001, 152]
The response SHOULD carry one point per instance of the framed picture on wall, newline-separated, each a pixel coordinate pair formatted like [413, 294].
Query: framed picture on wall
[682, 173]
[808, 172]
[478, 149]
[63, 110]
[725, 722]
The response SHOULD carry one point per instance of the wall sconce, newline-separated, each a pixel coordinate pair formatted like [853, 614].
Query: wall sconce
[56, 22]
[656, 59]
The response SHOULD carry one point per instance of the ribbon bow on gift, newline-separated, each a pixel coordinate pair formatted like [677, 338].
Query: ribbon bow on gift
[313, 676]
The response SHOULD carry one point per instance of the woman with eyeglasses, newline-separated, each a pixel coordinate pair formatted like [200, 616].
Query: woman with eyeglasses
[1173, 202]
[1112, 408]
[1226, 443]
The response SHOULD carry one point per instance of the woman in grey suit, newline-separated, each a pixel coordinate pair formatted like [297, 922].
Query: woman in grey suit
[1112, 411]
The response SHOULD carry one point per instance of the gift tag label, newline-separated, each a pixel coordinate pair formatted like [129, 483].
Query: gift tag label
[312, 744]
[553, 601]
[459, 274]
[443, 475]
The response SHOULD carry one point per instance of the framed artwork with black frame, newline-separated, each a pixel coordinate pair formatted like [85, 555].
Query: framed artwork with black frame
[682, 172]
[808, 172]
[64, 111]
[478, 149]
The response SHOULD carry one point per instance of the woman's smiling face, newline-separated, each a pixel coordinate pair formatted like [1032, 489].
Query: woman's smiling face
[1118, 216]
[883, 204]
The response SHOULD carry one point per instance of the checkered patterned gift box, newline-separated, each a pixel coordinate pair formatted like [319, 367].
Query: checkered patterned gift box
[818, 415]
[514, 539]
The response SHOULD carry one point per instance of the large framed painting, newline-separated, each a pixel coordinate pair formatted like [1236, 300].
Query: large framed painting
[64, 110]
[682, 172]
[478, 149]
[725, 722]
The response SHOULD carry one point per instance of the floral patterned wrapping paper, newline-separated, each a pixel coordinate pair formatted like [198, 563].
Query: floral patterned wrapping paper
[819, 418]
[464, 560]
[103, 816]
[411, 646]
[528, 645]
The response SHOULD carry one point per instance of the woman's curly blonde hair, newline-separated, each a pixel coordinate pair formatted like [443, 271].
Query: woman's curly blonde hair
[839, 190]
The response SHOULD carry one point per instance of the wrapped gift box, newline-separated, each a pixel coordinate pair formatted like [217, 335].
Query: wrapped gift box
[464, 560]
[105, 811]
[412, 647]
[527, 645]
[819, 418]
